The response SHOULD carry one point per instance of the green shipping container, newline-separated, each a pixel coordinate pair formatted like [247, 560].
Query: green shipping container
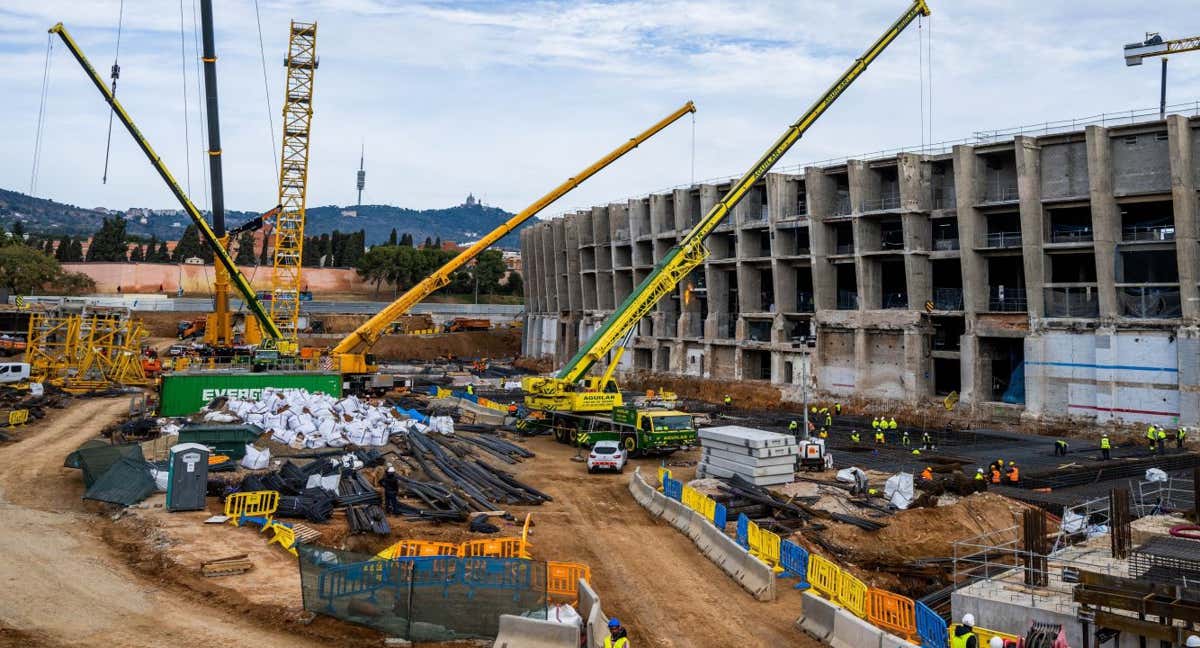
[186, 393]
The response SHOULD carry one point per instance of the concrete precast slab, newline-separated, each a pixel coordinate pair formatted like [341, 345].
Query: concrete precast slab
[750, 471]
[523, 632]
[850, 631]
[788, 459]
[758, 453]
[744, 436]
[817, 616]
[707, 470]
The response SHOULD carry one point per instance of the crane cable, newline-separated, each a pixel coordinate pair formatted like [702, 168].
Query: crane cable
[187, 137]
[262, 54]
[116, 74]
[41, 120]
[693, 147]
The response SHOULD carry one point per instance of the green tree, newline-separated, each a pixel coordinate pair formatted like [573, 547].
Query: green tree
[245, 249]
[71, 283]
[515, 284]
[392, 238]
[374, 265]
[489, 268]
[76, 254]
[163, 255]
[64, 248]
[428, 243]
[18, 231]
[437, 242]
[407, 239]
[190, 246]
[136, 254]
[264, 256]
[108, 244]
[24, 270]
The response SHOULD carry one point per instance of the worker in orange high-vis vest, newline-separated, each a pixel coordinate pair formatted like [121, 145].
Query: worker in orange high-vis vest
[927, 474]
[995, 474]
[1014, 473]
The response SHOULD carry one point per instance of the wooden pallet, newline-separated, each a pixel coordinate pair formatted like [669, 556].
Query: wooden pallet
[228, 566]
[304, 533]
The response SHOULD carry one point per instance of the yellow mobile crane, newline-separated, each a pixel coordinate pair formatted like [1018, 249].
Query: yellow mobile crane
[293, 181]
[227, 269]
[352, 353]
[566, 397]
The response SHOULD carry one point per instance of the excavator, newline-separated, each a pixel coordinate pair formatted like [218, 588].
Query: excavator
[352, 355]
[574, 404]
[218, 329]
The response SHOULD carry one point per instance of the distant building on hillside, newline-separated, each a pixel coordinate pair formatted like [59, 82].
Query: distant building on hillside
[471, 202]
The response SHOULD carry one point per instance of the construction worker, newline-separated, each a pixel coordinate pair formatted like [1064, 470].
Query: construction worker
[824, 433]
[812, 410]
[904, 441]
[828, 419]
[875, 424]
[728, 401]
[391, 491]
[1014, 474]
[1180, 437]
[926, 441]
[1152, 436]
[793, 427]
[879, 437]
[927, 474]
[916, 451]
[892, 424]
[1162, 440]
[995, 474]
[1060, 448]
[616, 635]
[855, 437]
[1106, 447]
[837, 408]
[964, 635]
[1193, 641]
[979, 474]
[470, 389]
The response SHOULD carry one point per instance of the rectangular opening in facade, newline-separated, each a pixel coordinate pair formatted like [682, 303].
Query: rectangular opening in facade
[758, 330]
[1003, 230]
[843, 236]
[622, 256]
[1000, 170]
[942, 185]
[893, 284]
[724, 360]
[888, 196]
[847, 287]
[945, 234]
[694, 213]
[947, 333]
[1148, 284]
[756, 365]
[1003, 367]
[947, 376]
[640, 218]
[797, 330]
[587, 258]
[1006, 284]
[722, 245]
[664, 359]
[801, 206]
[1141, 163]
[1069, 224]
[804, 290]
[1079, 296]
[755, 243]
[766, 290]
[841, 195]
[891, 234]
[754, 207]
[947, 284]
[1152, 221]
[643, 253]
[643, 359]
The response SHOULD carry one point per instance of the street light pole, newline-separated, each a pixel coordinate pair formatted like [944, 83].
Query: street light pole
[1162, 97]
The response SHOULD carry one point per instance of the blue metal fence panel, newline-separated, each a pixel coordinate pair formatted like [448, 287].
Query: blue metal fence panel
[794, 560]
[743, 531]
[719, 516]
[932, 628]
[673, 488]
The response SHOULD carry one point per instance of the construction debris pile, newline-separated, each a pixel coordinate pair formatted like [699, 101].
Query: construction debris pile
[300, 419]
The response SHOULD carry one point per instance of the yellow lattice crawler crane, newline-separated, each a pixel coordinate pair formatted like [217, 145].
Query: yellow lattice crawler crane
[95, 349]
[293, 181]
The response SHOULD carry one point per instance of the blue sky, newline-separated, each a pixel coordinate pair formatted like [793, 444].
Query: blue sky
[507, 99]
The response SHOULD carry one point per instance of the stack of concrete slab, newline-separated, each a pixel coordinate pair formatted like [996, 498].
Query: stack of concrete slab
[760, 457]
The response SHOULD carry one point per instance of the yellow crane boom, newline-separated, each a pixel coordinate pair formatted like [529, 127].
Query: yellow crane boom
[351, 351]
[563, 391]
[206, 231]
[286, 283]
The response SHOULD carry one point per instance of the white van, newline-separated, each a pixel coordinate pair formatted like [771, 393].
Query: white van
[11, 372]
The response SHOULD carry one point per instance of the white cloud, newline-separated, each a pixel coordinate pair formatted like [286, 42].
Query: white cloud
[507, 99]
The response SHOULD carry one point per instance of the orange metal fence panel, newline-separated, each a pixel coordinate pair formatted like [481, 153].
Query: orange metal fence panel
[414, 548]
[498, 548]
[562, 580]
[892, 612]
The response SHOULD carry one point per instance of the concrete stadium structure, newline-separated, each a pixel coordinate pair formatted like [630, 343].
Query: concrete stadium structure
[1037, 276]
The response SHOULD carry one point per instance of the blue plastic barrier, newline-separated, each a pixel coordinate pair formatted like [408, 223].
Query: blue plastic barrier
[794, 560]
[932, 628]
[351, 580]
[501, 573]
[719, 515]
[414, 414]
[743, 531]
[673, 488]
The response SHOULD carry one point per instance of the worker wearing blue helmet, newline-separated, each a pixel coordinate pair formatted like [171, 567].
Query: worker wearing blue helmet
[616, 635]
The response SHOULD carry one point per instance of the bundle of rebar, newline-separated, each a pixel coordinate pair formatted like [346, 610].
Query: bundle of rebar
[479, 483]
[367, 519]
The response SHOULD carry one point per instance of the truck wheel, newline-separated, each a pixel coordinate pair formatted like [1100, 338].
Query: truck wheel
[630, 444]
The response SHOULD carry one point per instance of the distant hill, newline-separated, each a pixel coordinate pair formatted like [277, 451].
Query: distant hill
[466, 222]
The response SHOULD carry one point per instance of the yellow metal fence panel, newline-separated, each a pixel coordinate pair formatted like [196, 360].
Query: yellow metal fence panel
[824, 576]
[852, 594]
[18, 417]
[251, 504]
[986, 635]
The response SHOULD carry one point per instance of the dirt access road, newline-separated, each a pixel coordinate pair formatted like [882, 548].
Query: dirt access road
[63, 585]
[647, 574]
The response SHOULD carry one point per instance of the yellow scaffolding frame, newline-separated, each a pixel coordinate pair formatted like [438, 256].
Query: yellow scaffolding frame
[87, 351]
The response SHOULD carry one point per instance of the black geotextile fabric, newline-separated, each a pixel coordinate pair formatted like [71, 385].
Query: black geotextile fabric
[126, 482]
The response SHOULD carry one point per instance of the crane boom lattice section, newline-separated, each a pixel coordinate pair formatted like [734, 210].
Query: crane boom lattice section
[286, 282]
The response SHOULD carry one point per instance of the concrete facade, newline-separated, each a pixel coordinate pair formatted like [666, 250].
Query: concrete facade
[1039, 277]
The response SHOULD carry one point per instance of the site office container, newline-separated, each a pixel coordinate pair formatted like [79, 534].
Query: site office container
[183, 394]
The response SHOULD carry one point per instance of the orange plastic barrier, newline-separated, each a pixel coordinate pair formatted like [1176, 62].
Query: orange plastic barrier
[823, 575]
[251, 504]
[562, 580]
[414, 548]
[852, 594]
[498, 548]
[892, 612]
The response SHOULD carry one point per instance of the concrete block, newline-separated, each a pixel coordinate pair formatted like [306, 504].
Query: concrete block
[816, 617]
[788, 459]
[744, 436]
[707, 470]
[758, 453]
[657, 503]
[588, 598]
[597, 628]
[850, 631]
[757, 577]
[683, 519]
[750, 471]
[696, 526]
[523, 632]
[888, 640]
[672, 511]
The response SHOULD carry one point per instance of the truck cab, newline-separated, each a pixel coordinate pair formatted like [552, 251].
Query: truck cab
[654, 429]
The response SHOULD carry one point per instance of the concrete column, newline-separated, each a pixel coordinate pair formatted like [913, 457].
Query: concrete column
[782, 194]
[917, 365]
[1183, 196]
[1106, 218]
[546, 263]
[575, 285]
[864, 187]
[862, 358]
[639, 217]
[969, 179]
[821, 194]
[915, 199]
[661, 220]
[683, 209]
[1029, 192]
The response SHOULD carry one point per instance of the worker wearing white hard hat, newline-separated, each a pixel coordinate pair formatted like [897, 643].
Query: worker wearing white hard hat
[964, 635]
[995, 642]
[1193, 642]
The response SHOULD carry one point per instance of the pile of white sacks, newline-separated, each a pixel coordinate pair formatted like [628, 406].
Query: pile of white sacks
[308, 420]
